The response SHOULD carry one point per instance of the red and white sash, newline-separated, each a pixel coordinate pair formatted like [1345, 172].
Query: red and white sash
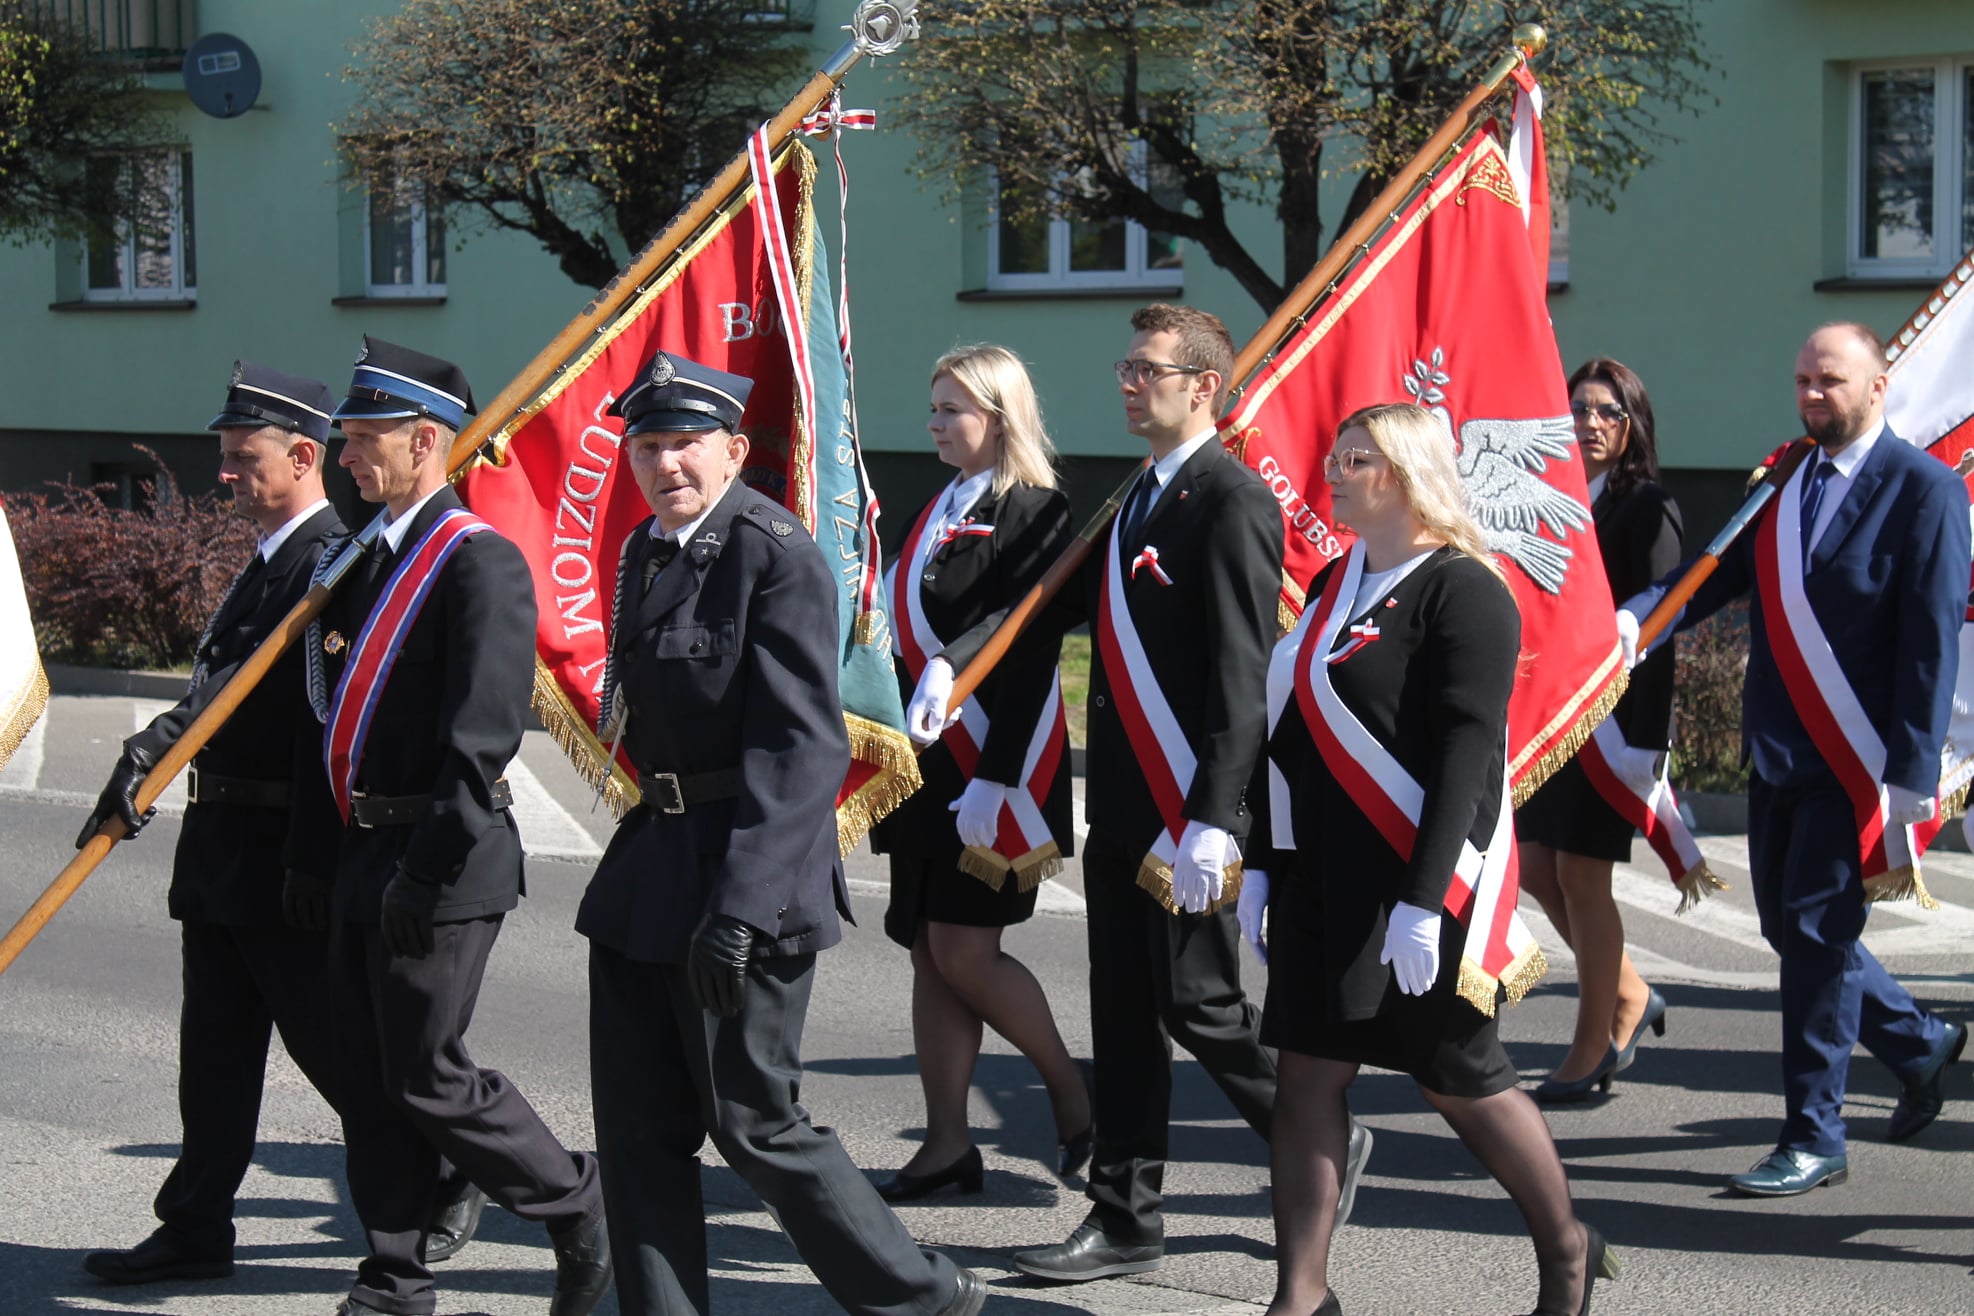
[1827, 705]
[377, 645]
[1160, 748]
[1499, 951]
[1023, 842]
[1655, 814]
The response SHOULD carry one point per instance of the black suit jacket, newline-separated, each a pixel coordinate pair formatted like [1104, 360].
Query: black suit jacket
[228, 864]
[970, 578]
[447, 724]
[1639, 533]
[728, 663]
[1207, 636]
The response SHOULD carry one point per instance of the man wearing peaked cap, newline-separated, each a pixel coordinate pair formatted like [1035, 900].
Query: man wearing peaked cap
[408, 816]
[248, 967]
[716, 893]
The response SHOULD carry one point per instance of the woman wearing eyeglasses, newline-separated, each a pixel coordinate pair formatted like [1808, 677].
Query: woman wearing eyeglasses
[1570, 837]
[970, 848]
[1387, 788]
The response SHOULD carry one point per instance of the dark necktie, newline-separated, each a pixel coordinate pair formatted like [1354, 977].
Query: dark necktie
[1138, 506]
[1813, 500]
[382, 559]
[662, 553]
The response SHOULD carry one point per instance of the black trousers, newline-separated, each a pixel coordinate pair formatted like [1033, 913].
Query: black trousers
[412, 1093]
[1157, 977]
[665, 1074]
[240, 985]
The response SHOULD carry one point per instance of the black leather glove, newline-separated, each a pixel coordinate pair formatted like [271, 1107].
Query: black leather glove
[716, 964]
[305, 901]
[119, 797]
[406, 920]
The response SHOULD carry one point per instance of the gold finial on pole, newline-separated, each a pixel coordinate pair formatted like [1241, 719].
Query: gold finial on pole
[1531, 39]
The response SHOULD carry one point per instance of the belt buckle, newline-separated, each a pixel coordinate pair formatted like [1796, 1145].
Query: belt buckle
[191, 783]
[671, 780]
[356, 814]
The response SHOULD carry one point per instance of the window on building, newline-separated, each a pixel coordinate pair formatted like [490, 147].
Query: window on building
[1912, 168]
[404, 242]
[149, 255]
[1041, 254]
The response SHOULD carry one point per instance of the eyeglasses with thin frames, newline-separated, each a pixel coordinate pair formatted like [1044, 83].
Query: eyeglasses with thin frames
[1140, 372]
[1345, 461]
[1608, 412]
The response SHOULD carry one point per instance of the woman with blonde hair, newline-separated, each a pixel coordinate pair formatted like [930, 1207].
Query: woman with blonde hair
[970, 848]
[1386, 775]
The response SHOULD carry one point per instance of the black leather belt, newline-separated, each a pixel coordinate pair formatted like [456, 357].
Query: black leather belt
[675, 792]
[404, 810]
[210, 788]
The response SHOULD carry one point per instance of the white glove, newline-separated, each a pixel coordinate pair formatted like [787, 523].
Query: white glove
[1251, 911]
[1908, 808]
[979, 810]
[925, 716]
[1412, 948]
[1628, 638]
[1638, 768]
[1197, 876]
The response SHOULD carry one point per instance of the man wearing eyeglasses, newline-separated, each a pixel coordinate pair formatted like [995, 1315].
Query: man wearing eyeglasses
[1182, 602]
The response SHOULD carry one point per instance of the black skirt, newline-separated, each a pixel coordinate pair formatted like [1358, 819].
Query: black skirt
[936, 891]
[1568, 814]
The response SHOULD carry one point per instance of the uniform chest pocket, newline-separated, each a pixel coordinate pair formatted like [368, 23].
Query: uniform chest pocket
[697, 640]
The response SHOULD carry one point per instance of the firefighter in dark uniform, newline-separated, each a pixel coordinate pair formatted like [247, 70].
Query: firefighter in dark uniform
[422, 668]
[248, 969]
[717, 892]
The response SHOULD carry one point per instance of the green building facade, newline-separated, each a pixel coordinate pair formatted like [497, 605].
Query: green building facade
[1834, 179]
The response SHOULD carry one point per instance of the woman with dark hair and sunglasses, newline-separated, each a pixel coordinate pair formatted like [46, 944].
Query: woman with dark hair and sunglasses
[1570, 838]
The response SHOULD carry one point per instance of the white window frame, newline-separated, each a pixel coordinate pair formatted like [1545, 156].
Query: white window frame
[420, 285]
[1950, 169]
[126, 239]
[1059, 276]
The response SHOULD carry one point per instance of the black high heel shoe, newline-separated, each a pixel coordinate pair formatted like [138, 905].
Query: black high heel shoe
[1654, 1018]
[1074, 1153]
[1600, 1261]
[968, 1172]
[1564, 1092]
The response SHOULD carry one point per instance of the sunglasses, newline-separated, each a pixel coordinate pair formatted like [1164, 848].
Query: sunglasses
[1141, 372]
[1609, 412]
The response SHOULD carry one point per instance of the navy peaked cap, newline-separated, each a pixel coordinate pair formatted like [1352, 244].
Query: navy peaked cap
[396, 383]
[259, 396]
[673, 393]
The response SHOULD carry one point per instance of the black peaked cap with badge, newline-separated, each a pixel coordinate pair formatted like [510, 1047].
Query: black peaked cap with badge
[258, 396]
[397, 383]
[673, 393]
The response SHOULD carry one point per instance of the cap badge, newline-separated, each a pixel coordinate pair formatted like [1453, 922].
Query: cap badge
[782, 528]
[662, 371]
[363, 353]
[334, 643]
[239, 370]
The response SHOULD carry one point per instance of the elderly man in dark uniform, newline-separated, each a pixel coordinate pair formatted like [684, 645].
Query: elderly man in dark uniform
[422, 668]
[247, 969]
[718, 890]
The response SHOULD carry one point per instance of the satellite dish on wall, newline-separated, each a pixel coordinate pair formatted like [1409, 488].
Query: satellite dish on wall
[221, 75]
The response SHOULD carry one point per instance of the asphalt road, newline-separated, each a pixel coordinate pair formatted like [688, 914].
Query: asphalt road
[88, 1122]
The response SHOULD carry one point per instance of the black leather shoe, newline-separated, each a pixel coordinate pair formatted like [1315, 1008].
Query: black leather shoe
[1654, 1018]
[1568, 1091]
[1785, 1172]
[1089, 1254]
[1353, 1171]
[1922, 1097]
[968, 1295]
[453, 1226]
[157, 1258]
[1074, 1155]
[582, 1269]
[1329, 1306]
[968, 1172]
[351, 1307]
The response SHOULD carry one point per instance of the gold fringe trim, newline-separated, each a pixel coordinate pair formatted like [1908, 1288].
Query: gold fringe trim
[1699, 883]
[1562, 749]
[888, 750]
[1037, 866]
[27, 710]
[802, 442]
[1954, 802]
[1030, 870]
[1900, 884]
[585, 752]
[1156, 877]
[1486, 993]
[987, 865]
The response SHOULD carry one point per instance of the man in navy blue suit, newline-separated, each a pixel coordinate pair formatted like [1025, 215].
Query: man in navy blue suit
[1858, 571]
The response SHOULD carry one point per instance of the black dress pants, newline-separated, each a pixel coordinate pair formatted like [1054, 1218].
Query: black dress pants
[664, 1074]
[240, 985]
[1156, 977]
[412, 1093]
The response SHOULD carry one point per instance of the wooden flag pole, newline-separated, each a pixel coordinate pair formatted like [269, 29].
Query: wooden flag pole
[878, 27]
[1529, 40]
